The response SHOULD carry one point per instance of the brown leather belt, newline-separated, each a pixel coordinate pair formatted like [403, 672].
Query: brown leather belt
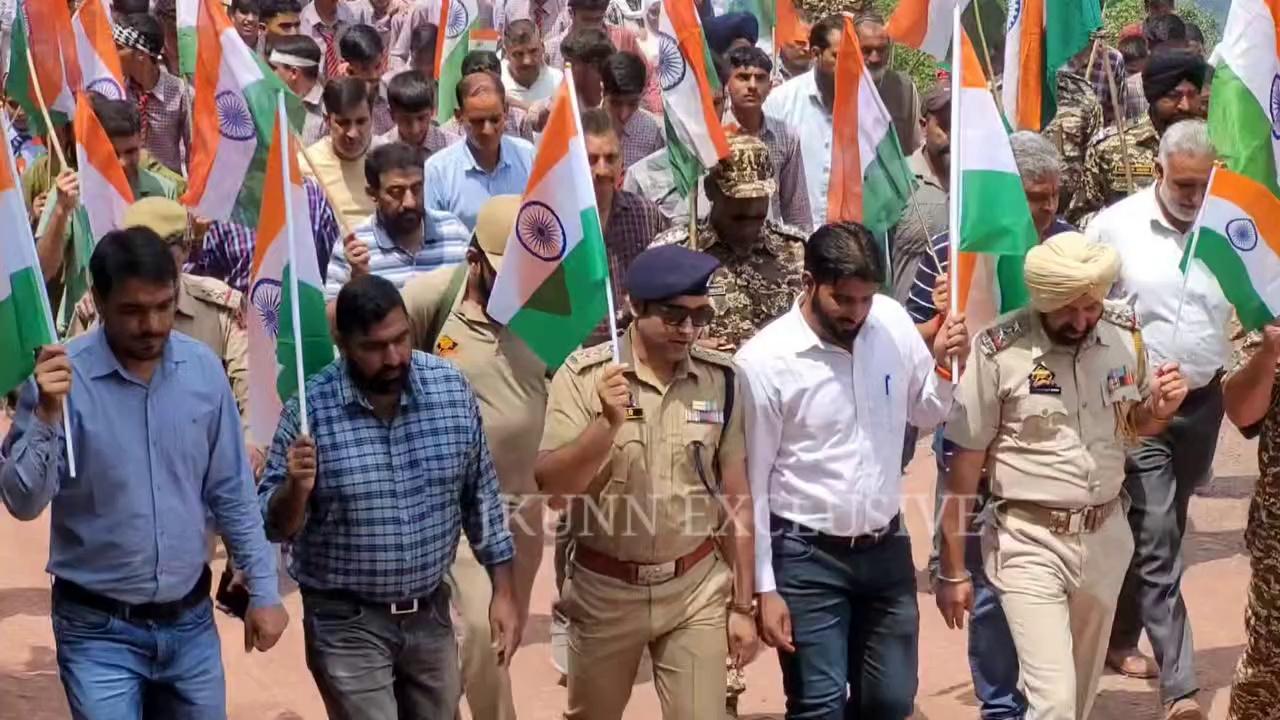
[640, 573]
[1060, 521]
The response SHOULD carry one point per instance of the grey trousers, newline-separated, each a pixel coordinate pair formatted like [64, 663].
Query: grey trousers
[371, 665]
[1161, 474]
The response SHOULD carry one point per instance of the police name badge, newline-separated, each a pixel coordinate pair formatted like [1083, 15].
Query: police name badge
[704, 411]
[1042, 381]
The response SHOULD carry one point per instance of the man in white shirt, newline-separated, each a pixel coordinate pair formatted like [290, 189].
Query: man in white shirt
[804, 104]
[1150, 231]
[828, 388]
[525, 73]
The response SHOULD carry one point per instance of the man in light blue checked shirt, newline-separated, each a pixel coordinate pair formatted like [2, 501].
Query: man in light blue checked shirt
[403, 238]
[374, 527]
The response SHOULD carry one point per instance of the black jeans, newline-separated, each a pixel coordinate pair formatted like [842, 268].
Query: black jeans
[855, 625]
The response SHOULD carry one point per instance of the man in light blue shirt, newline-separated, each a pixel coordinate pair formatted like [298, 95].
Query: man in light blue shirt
[804, 104]
[158, 449]
[464, 175]
[403, 238]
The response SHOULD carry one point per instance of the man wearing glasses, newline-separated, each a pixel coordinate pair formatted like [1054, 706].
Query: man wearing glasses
[648, 448]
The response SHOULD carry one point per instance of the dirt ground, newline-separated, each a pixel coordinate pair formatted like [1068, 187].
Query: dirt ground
[277, 686]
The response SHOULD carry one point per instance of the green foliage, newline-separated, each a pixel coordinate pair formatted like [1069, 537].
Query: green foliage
[1119, 14]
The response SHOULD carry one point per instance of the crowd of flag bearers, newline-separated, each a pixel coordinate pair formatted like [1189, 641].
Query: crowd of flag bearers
[389, 374]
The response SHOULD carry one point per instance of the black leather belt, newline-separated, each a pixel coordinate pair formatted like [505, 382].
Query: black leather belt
[400, 607]
[836, 543]
[165, 612]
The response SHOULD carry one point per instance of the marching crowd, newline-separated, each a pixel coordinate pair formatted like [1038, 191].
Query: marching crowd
[727, 473]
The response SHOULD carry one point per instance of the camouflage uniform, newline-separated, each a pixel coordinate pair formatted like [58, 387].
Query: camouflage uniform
[1255, 691]
[757, 281]
[1079, 118]
[1105, 175]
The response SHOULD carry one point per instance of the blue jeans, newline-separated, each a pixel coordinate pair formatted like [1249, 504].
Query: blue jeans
[113, 668]
[993, 659]
[855, 626]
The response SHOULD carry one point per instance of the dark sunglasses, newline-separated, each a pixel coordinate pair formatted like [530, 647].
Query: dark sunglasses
[675, 315]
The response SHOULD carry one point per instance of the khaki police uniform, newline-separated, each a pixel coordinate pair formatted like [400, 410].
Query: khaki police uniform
[1055, 422]
[210, 311]
[510, 384]
[644, 572]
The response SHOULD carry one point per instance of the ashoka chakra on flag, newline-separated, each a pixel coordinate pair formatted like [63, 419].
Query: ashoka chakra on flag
[234, 121]
[459, 19]
[671, 64]
[107, 88]
[1243, 234]
[265, 298]
[540, 231]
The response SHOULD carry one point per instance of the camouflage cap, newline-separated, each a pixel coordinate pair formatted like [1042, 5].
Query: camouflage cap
[746, 172]
[166, 217]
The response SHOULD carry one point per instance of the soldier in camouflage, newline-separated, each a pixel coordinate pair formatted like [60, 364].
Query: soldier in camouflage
[1118, 164]
[1078, 120]
[761, 260]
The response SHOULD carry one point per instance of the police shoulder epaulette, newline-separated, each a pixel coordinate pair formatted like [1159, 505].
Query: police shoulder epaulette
[1002, 334]
[1118, 313]
[214, 292]
[715, 357]
[587, 357]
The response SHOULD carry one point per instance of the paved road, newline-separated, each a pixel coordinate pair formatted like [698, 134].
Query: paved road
[276, 686]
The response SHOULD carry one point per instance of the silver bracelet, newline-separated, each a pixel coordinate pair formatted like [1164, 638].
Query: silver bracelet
[956, 580]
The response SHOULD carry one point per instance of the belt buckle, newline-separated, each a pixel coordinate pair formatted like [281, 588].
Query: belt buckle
[404, 608]
[655, 574]
[1058, 521]
[1076, 521]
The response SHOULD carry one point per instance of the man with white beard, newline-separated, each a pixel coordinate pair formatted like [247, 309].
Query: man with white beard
[1150, 229]
[897, 90]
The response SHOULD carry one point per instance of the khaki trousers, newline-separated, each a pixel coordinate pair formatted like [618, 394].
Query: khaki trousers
[1059, 594]
[486, 685]
[681, 622]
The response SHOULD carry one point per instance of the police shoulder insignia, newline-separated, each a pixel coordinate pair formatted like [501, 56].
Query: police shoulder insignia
[587, 357]
[1001, 335]
[1042, 381]
[712, 356]
[1118, 313]
[446, 346]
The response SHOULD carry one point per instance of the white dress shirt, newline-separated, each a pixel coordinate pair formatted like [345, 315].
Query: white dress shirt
[542, 89]
[1151, 282]
[825, 426]
[798, 104]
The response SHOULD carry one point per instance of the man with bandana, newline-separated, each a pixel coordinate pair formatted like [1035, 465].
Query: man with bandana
[1050, 397]
[1119, 164]
[161, 98]
[1183, 317]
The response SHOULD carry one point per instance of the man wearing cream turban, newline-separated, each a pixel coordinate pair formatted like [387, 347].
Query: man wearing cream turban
[1051, 396]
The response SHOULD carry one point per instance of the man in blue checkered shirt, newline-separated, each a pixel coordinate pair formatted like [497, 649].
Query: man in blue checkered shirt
[373, 500]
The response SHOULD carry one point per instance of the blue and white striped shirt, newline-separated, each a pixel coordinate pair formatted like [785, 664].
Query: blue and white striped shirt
[390, 499]
[444, 243]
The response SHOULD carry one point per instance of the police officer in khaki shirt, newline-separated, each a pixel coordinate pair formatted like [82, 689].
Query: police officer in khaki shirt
[1049, 400]
[447, 311]
[645, 444]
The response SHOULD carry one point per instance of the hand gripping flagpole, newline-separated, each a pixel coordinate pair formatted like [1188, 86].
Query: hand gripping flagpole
[282, 137]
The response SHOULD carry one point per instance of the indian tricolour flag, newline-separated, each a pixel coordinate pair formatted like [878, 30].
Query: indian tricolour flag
[1042, 36]
[457, 18]
[25, 322]
[1238, 240]
[686, 72]
[1245, 104]
[924, 25]
[988, 204]
[287, 326]
[232, 116]
[870, 181]
[550, 289]
[104, 188]
[41, 66]
[188, 12]
[96, 50]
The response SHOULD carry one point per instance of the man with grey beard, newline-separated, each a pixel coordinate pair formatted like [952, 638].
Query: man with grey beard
[897, 90]
[1184, 321]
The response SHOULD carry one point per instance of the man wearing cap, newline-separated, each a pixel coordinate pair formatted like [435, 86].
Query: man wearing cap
[648, 447]
[761, 260]
[447, 311]
[160, 97]
[1051, 396]
[296, 60]
[1118, 165]
[1184, 317]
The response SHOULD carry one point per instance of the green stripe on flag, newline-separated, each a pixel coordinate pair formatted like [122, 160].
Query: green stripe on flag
[994, 217]
[317, 344]
[187, 51]
[1241, 129]
[261, 98]
[1225, 263]
[1068, 25]
[20, 86]
[23, 328]
[450, 75]
[686, 169]
[569, 304]
[1011, 282]
[886, 186]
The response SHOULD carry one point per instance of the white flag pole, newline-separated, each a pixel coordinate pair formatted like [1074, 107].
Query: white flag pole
[282, 137]
[953, 181]
[595, 210]
[1191, 257]
[48, 317]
